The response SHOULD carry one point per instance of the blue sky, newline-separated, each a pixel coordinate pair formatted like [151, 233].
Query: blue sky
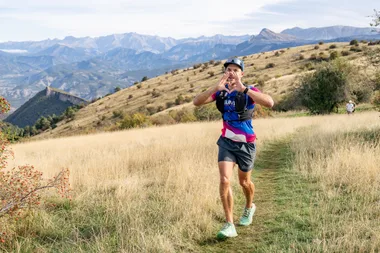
[22, 20]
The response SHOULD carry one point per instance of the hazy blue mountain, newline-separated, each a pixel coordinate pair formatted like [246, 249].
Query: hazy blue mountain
[11, 64]
[135, 41]
[127, 59]
[218, 52]
[190, 50]
[217, 39]
[92, 67]
[65, 54]
[327, 33]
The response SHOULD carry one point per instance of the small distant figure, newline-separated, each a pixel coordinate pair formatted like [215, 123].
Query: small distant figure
[350, 107]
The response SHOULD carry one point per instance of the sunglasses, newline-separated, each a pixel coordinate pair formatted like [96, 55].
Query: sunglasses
[235, 61]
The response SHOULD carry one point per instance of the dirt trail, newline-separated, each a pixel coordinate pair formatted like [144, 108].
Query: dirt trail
[268, 168]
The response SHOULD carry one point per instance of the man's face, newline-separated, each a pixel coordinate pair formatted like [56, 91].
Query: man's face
[233, 68]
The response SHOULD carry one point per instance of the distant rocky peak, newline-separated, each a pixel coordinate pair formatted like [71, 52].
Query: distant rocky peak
[268, 35]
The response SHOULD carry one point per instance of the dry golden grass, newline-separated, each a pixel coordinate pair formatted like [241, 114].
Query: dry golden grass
[279, 81]
[344, 156]
[159, 186]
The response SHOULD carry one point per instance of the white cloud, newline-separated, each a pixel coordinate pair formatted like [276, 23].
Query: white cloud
[172, 18]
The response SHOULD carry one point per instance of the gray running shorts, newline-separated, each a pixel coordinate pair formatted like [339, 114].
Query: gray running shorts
[241, 153]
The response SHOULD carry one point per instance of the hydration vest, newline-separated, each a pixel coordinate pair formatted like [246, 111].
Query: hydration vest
[241, 102]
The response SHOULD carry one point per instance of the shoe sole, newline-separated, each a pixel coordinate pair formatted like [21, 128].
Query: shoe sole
[222, 236]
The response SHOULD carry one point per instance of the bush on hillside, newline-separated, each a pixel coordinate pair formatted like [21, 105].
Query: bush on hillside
[376, 99]
[291, 101]
[328, 86]
[162, 119]
[183, 116]
[261, 112]
[354, 42]
[179, 100]
[333, 55]
[356, 49]
[207, 112]
[21, 188]
[134, 120]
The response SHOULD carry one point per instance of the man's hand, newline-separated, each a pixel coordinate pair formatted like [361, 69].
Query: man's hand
[238, 85]
[222, 83]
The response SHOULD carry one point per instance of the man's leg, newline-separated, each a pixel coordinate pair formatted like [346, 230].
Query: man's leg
[249, 190]
[248, 187]
[225, 172]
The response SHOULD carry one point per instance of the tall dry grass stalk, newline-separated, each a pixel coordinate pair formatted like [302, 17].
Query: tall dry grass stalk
[158, 187]
[345, 158]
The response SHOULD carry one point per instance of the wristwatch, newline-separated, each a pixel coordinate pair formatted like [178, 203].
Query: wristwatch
[246, 90]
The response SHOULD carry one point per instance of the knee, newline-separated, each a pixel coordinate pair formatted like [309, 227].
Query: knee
[245, 183]
[224, 181]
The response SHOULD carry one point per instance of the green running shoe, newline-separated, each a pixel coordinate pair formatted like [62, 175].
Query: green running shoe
[227, 231]
[246, 219]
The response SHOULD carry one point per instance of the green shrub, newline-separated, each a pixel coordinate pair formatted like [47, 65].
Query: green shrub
[332, 46]
[323, 90]
[117, 114]
[155, 93]
[313, 57]
[179, 100]
[162, 119]
[169, 104]
[354, 42]
[270, 65]
[356, 48]
[376, 99]
[207, 112]
[333, 55]
[182, 116]
[151, 110]
[195, 66]
[134, 120]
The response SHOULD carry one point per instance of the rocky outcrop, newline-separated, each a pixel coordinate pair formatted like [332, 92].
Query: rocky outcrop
[63, 96]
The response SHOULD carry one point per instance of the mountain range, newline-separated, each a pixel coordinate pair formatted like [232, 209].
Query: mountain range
[92, 67]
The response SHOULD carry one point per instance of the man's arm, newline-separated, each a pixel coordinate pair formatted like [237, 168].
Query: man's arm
[261, 98]
[206, 96]
[257, 97]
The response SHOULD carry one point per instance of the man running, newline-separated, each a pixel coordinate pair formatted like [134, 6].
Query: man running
[236, 102]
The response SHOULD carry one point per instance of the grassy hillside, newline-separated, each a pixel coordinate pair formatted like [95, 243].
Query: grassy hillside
[41, 104]
[273, 72]
[156, 189]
